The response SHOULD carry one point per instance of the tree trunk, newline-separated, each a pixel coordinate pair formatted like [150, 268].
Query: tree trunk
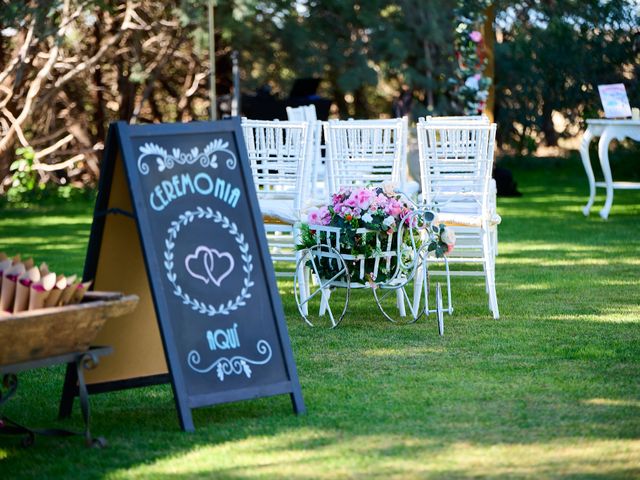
[550, 134]
[99, 117]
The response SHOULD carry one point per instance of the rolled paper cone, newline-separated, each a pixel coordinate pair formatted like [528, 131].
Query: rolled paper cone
[28, 278]
[41, 290]
[54, 296]
[80, 291]
[67, 293]
[44, 269]
[9, 280]
[29, 263]
[4, 264]
[17, 259]
[3, 256]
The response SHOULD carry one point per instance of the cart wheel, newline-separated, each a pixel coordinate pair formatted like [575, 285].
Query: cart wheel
[439, 309]
[396, 300]
[322, 301]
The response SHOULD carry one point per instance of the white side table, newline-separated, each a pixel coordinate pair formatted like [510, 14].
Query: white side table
[607, 130]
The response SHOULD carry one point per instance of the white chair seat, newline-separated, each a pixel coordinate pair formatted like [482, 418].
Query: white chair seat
[282, 209]
[465, 219]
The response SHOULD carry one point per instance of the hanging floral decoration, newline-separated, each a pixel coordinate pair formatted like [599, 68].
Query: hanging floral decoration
[470, 85]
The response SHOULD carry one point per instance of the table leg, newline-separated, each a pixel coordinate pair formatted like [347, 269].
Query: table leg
[586, 161]
[603, 154]
[86, 361]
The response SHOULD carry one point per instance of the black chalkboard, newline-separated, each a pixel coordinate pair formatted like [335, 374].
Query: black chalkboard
[205, 251]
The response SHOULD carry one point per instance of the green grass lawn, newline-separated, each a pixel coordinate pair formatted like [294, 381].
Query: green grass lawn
[550, 390]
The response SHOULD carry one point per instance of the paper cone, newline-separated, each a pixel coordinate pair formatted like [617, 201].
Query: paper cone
[67, 293]
[44, 269]
[29, 263]
[79, 292]
[41, 290]
[28, 278]
[17, 259]
[54, 296]
[3, 256]
[9, 280]
[4, 265]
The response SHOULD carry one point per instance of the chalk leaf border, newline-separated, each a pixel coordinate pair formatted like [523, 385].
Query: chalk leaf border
[166, 161]
[204, 308]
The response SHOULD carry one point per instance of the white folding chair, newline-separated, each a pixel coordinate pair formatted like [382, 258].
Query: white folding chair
[456, 161]
[317, 170]
[362, 152]
[493, 190]
[277, 155]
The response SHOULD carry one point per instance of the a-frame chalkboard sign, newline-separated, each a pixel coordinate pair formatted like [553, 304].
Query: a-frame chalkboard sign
[177, 222]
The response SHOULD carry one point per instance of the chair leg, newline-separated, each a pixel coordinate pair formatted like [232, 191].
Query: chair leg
[417, 287]
[324, 302]
[400, 302]
[489, 272]
[303, 284]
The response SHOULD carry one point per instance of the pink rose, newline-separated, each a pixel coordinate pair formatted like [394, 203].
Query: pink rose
[475, 36]
[363, 198]
[393, 208]
[313, 218]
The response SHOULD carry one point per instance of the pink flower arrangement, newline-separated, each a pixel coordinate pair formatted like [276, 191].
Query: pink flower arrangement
[373, 209]
[368, 207]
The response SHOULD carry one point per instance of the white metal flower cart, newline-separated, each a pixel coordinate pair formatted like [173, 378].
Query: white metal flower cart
[395, 271]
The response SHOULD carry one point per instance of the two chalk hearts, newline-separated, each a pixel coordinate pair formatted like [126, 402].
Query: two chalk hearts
[209, 265]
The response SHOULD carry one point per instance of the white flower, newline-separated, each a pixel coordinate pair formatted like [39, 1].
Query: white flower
[448, 236]
[8, 32]
[367, 218]
[389, 221]
[473, 82]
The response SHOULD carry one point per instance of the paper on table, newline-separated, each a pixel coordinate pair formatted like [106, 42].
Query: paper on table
[54, 296]
[9, 279]
[21, 302]
[614, 100]
[41, 290]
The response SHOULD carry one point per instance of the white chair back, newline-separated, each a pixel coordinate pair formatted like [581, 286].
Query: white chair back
[471, 119]
[456, 162]
[305, 113]
[277, 152]
[364, 151]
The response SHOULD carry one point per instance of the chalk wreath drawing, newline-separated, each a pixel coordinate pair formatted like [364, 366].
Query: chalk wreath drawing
[216, 217]
[237, 365]
[206, 260]
[165, 160]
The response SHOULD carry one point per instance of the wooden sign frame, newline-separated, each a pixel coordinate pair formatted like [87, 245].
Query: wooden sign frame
[119, 148]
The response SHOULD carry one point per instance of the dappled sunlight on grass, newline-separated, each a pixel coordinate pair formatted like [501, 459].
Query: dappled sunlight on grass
[613, 402]
[304, 453]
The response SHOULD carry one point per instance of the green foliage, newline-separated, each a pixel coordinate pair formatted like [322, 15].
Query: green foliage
[552, 57]
[25, 189]
[24, 179]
